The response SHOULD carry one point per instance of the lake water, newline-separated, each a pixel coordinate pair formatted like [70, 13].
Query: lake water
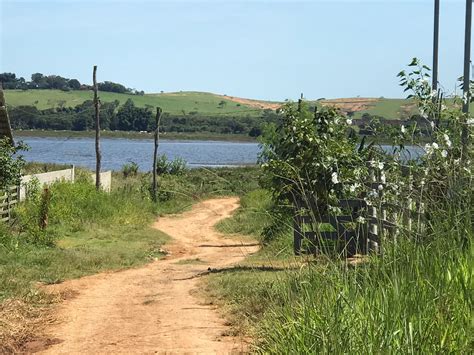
[117, 152]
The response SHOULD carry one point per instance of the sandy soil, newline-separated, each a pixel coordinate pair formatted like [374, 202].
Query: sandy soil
[350, 105]
[155, 309]
[253, 103]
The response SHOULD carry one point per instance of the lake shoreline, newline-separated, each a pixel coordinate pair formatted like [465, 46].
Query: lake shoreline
[136, 135]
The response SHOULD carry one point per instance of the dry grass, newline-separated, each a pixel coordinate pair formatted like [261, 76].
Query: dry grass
[21, 324]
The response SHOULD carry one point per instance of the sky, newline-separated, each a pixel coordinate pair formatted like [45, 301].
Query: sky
[272, 50]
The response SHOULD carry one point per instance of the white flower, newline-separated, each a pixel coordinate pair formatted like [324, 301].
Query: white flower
[380, 187]
[349, 121]
[422, 113]
[380, 166]
[465, 98]
[470, 122]
[352, 188]
[403, 129]
[373, 194]
[434, 93]
[360, 219]
[383, 179]
[447, 140]
[294, 129]
[435, 145]
[444, 153]
[334, 178]
[432, 124]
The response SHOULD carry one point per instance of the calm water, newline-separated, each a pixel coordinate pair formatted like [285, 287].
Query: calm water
[117, 152]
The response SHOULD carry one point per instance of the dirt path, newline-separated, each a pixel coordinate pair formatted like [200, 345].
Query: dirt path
[154, 309]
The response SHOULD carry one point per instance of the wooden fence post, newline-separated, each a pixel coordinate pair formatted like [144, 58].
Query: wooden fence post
[297, 235]
[44, 209]
[97, 129]
[155, 152]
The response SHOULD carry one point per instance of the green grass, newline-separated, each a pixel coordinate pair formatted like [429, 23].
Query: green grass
[388, 108]
[251, 217]
[93, 232]
[417, 298]
[195, 261]
[173, 103]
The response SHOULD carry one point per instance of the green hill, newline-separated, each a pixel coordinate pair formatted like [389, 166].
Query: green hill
[173, 103]
[189, 102]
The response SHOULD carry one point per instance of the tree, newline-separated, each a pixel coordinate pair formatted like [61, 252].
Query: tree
[74, 84]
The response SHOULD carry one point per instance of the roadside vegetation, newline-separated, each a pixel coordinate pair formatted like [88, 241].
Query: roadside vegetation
[415, 297]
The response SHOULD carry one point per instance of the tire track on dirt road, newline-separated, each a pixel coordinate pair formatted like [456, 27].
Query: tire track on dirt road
[155, 309]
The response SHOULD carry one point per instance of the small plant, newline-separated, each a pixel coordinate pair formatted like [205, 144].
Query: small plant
[130, 169]
[176, 166]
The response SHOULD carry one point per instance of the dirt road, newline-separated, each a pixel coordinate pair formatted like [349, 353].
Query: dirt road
[154, 309]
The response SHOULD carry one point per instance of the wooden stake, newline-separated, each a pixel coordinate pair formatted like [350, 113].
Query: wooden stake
[97, 130]
[155, 152]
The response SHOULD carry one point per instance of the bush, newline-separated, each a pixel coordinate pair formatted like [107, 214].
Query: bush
[130, 169]
[175, 167]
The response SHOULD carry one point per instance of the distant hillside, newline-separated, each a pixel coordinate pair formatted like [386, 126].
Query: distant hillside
[204, 104]
[387, 108]
[178, 103]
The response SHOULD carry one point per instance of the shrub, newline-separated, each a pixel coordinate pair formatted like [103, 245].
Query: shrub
[130, 169]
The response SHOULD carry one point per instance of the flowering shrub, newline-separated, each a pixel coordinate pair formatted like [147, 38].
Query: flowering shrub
[313, 156]
[446, 164]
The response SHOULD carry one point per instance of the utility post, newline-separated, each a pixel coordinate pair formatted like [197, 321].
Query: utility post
[300, 103]
[97, 129]
[435, 46]
[155, 153]
[466, 80]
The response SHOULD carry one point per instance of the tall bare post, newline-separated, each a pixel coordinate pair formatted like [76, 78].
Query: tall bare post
[97, 129]
[155, 152]
[466, 79]
[435, 46]
[300, 103]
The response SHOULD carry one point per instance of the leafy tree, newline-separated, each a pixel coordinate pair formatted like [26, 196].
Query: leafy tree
[74, 84]
[11, 163]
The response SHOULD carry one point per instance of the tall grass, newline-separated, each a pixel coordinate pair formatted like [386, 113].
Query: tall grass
[416, 298]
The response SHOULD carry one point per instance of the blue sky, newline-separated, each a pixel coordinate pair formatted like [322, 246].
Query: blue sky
[260, 49]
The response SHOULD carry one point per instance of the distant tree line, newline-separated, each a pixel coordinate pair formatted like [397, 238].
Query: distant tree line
[40, 81]
[129, 117]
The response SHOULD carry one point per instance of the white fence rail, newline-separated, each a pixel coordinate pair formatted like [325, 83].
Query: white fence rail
[45, 179]
[16, 194]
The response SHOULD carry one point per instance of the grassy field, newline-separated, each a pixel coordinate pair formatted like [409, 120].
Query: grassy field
[388, 108]
[173, 103]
